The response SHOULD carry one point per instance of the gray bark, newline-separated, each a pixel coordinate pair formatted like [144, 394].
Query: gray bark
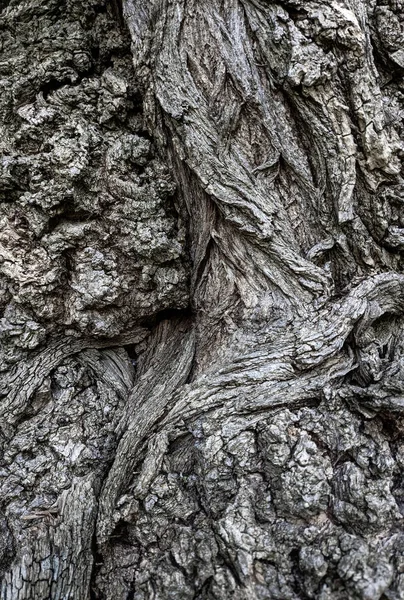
[202, 298]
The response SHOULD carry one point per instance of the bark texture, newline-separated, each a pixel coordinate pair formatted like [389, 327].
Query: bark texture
[202, 295]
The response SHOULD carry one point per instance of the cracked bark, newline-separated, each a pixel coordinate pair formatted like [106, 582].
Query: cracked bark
[202, 300]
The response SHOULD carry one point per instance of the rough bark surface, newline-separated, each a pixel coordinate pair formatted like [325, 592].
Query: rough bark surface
[202, 296]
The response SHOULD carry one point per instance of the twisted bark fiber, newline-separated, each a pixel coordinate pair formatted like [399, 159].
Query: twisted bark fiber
[202, 297]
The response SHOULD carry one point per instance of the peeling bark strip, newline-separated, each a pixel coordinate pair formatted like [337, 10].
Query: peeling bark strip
[202, 296]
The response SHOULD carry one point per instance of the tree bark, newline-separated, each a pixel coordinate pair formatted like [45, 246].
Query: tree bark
[202, 298]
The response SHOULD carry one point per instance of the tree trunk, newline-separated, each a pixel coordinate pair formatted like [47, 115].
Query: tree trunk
[202, 299]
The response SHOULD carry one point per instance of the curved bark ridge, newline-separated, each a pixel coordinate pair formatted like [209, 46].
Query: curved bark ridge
[278, 111]
[253, 449]
[275, 476]
[91, 245]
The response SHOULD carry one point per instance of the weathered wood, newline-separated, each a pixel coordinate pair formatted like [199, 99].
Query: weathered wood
[202, 300]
